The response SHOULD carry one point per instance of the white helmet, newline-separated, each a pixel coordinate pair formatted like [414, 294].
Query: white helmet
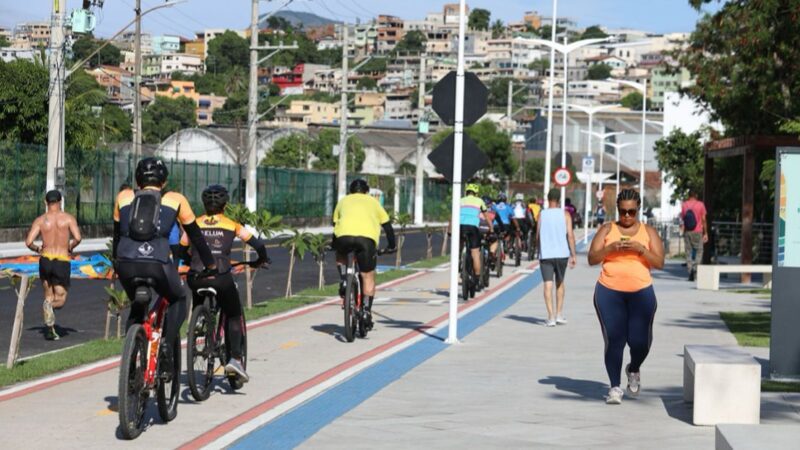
[519, 196]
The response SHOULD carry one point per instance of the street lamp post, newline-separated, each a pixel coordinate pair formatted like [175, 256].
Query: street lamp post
[617, 148]
[603, 137]
[641, 87]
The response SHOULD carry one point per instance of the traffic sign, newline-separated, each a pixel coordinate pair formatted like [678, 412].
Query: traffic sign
[588, 164]
[562, 176]
[475, 98]
[473, 159]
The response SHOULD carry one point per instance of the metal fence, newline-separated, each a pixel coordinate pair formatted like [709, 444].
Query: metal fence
[727, 240]
[94, 178]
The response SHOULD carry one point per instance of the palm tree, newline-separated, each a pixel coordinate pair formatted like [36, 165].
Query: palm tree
[429, 238]
[402, 220]
[298, 245]
[498, 29]
[318, 245]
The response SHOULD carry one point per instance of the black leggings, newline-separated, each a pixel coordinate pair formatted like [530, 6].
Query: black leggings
[228, 298]
[626, 318]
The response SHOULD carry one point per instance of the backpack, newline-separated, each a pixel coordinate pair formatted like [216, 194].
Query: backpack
[689, 221]
[144, 219]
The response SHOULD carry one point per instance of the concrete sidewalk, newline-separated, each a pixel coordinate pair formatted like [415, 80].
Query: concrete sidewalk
[517, 384]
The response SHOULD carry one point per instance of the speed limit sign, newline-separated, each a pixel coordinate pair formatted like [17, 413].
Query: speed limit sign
[562, 176]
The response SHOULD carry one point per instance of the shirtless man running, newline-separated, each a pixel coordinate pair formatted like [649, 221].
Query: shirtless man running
[55, 227]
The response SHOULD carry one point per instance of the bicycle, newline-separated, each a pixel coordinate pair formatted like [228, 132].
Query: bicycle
[485, 272]
[206, 343]
[143, 358]
[355, 315]
[532, 243]
[467, 270]
[516, 248]
[500, 254]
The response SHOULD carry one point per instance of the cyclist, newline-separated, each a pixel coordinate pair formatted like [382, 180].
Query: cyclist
[503, 211]
[219, 232]
[490, 217]
[519, 217]
[358, 219]
[472, 211]
[142, 223]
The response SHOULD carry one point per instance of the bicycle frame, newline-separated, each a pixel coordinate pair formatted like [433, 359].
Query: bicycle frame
[153, 328]
[352, 269]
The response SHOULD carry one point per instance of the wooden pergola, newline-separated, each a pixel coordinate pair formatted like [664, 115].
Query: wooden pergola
[747, 147]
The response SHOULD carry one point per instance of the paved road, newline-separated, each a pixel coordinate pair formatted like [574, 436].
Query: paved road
[83, 317]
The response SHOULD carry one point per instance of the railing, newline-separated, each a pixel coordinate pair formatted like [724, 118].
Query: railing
[727, 240]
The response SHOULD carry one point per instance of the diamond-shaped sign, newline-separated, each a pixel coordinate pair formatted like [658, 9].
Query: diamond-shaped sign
[473, 159]
[475, 98]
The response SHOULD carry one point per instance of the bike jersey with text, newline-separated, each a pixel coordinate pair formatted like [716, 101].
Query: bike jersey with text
[219, 232]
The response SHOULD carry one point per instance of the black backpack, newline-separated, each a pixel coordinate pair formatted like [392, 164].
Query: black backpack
[689, 221]
[144, 219]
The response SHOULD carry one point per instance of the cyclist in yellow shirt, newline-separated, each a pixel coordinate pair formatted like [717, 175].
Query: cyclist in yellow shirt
[358, 219]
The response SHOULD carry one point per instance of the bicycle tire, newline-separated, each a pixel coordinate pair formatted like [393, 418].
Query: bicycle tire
[349, 307]
[233, 380]
[517, 251]
[464, 276]
[132, 394]
[485, 268]
[167, 392]
[200, 376]
[531, 247]
[499, 260]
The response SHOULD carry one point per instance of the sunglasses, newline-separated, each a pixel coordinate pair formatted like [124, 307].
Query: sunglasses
[628, 212]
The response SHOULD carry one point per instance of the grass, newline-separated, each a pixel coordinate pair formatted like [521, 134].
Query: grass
[55, 362]
[779, 386]
[752, 291]
[98, 349]
[430, 263]
[750, 328]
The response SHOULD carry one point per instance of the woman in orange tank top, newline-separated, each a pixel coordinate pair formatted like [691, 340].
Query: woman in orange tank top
[624, 297]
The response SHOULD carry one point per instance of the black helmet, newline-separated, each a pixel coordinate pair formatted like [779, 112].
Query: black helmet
[359, 186]
[215, 197]
[151, 172]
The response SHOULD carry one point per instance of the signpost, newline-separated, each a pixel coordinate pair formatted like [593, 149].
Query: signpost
[562, 177]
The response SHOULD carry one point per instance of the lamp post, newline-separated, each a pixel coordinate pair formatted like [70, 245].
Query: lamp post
[641, 87]
[565, 50]
[617, 148]
[603, 137]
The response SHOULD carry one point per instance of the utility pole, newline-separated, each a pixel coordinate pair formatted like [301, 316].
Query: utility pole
[509, 106]
[342, 175]
[55, 131]
[419, 181]
[564, 120]
[551, 86]
[137, 81]
[252, 112]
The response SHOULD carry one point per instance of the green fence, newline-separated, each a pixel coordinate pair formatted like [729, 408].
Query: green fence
[94, 178]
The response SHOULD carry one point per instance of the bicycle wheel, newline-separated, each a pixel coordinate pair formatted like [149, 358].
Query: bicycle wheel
[485, 267]
[465, 282]
[499, 259]
[531, 247]
[233, 380]
[132, 392]
[349, 309]
[200, 353]
[168, 384]
[517, 251]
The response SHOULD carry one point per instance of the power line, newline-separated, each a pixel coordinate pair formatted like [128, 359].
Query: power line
[372, 13]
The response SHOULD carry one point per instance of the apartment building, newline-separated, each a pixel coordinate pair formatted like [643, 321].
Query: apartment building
[594, 92]
[8, 54]
[32, 34]
[301, 113]
[165, 45]
[666, 79]
[117, 82]
[390, 32]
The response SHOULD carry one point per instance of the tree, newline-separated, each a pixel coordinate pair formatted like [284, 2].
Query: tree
[318, 244]
[227, 50]
[600, 71]
[165, 116]
[322, 148]
[498, 93]
[540, 65]
[593, 32]
[633, 101]
[85, 45]
[479, 19]
[298, 244]
[495, 143]
[498, 29]
[412, 42]
[402, 220]
[680, 156]
[534, 170]
[116, 124]
[745, 59]
[367, 84]
[546, 31]
[289, 151]
[4, 42]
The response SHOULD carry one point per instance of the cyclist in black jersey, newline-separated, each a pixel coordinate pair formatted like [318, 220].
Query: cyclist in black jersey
[219, 232]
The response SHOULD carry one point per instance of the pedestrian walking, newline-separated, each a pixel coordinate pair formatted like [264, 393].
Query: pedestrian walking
[695, 232]
[55, 227]
[556, 251]
[601, 215]
[624, 297]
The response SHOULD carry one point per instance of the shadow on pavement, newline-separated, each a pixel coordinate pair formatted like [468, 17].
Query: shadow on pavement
[700, 320]
[531, 320]
[62, 331]
[584, 389]
[677, 408]
[113, 403]
[414, 325]
[335, 330]
[672, 271]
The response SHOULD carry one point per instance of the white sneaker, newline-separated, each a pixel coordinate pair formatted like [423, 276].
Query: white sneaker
[234, 367]
[561, 320]
[614, 396]
[633, 381]
[49, 314]
[550, 323]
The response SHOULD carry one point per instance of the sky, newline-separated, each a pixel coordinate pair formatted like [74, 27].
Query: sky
[660, 16]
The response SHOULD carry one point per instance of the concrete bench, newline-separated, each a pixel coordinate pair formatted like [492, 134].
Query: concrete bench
[723, 382]
[757, 437]
[708, 275]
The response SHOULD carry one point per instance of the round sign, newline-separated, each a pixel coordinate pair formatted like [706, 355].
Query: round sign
[562, 177]
[600, 194]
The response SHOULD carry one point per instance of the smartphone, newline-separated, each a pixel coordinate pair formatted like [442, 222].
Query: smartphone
[624, 238]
